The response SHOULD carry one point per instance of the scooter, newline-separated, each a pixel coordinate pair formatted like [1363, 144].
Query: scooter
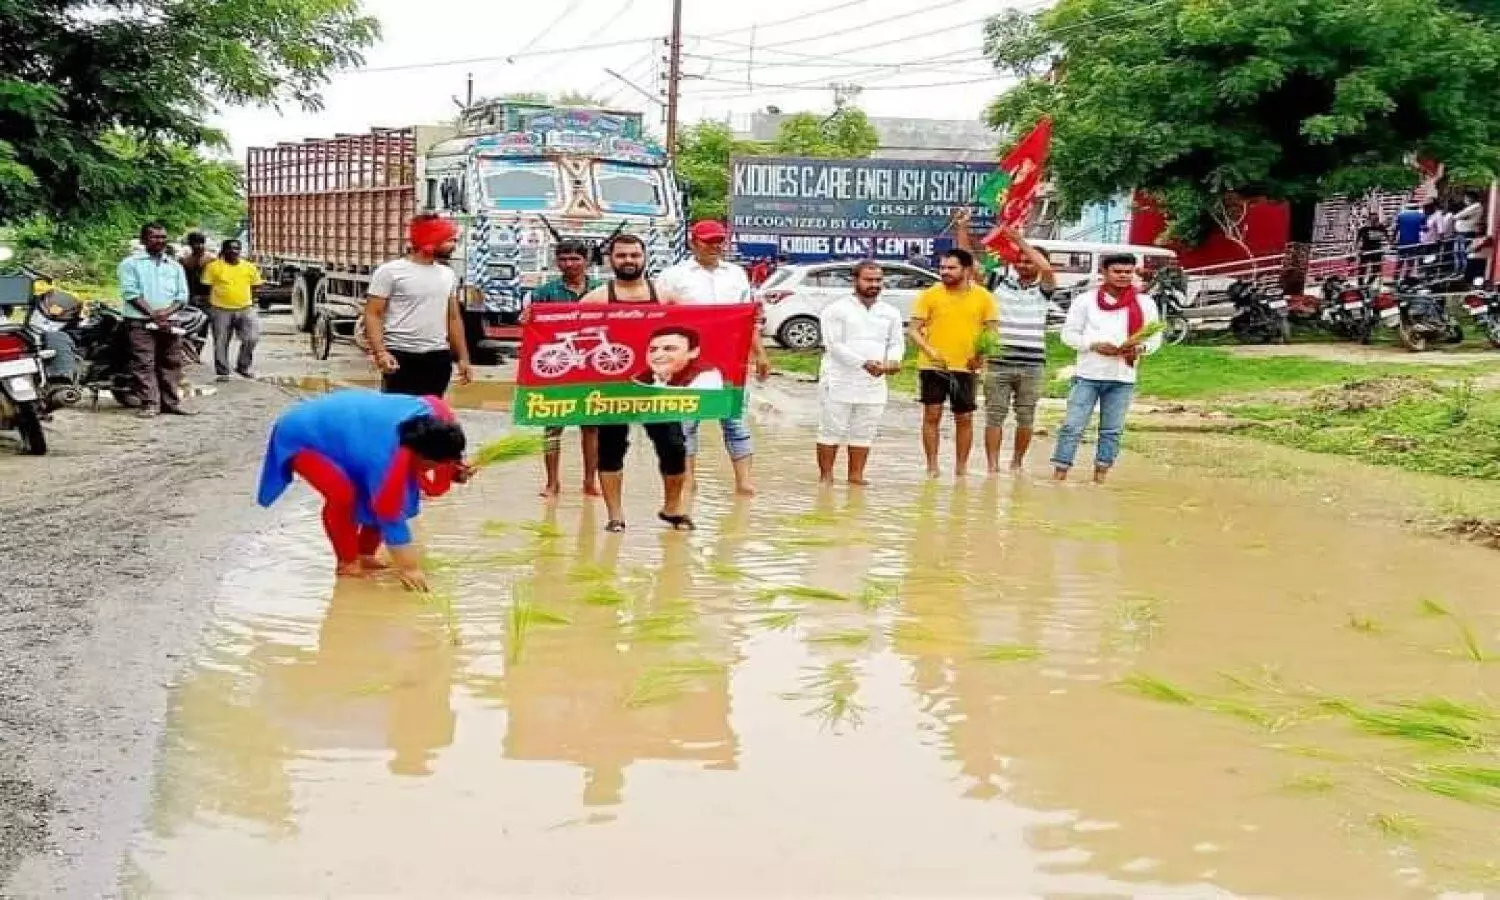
[22, 374]
[1484, 307]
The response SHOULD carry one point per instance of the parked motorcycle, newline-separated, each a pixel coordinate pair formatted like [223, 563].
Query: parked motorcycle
[1347, 309]
[1484, 307]
[101, 343]
[1260, 314]
[1169, 288]
[1420, 317]
[22, 374]
[104, 350]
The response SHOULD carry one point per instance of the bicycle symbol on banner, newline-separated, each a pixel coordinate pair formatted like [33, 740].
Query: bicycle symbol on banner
[571, 351]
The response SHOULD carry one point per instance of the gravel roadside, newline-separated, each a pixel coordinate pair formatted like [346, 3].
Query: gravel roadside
[112, 546]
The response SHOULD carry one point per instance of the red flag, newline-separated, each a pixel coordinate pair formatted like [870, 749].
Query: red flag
[1024, 164]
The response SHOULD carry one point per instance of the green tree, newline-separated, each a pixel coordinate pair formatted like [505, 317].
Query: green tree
[847, 134]
[702, 163]
[704, 152]
[99, 100]
[1197, 101]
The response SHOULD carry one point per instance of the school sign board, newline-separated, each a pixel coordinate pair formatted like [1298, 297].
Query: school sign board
[810, 210]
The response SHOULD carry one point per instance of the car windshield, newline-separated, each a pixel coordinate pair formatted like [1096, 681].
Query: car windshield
[629, 189]
[522, 184]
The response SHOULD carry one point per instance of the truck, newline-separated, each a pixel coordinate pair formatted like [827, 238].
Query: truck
[516, 177]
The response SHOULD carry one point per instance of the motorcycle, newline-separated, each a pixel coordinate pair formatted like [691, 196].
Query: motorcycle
[100, 343]
[1260, 314]
[1169, 288]
[1484, 307]
[1419, 317]
[1347, 310]
[22, 371]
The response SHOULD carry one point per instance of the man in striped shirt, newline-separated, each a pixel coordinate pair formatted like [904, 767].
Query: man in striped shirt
[1013, 379]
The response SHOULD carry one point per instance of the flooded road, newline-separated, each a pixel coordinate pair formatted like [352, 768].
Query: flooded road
[1179, 686]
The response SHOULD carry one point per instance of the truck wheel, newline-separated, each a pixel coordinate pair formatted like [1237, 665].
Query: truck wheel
[303, 310]
[29, 424]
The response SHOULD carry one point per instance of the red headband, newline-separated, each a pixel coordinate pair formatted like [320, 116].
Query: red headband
[429, 232]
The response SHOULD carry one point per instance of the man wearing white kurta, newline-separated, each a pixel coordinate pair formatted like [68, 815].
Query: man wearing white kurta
[705, 278]
[863, 343]
[1108, 327]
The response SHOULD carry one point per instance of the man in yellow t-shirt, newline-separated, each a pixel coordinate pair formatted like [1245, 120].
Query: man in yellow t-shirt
[946, 323]
[232, 281]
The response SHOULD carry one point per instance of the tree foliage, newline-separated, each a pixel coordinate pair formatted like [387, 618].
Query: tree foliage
[704, 152]
[104, 103]
[1294, 100]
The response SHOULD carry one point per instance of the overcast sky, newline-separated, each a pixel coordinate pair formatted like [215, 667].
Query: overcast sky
[933, 46]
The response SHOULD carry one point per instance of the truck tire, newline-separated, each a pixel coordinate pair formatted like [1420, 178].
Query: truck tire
[303, 309]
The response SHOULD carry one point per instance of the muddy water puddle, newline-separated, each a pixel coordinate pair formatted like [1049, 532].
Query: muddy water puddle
[484, 394]
[1179, 686]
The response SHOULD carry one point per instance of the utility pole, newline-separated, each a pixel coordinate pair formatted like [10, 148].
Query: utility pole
[674, 76]
[469, 102]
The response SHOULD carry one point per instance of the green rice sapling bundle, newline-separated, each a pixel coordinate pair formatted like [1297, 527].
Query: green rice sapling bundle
[988, 345]
[1147, 332]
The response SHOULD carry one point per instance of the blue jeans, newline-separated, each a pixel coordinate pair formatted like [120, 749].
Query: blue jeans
[1113, 400]
[736, 437]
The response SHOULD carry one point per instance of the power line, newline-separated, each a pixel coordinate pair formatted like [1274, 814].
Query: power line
[603, 27]
[791, 19]
[865, 26]
[554, 51]
[804, 86]
[788, 64]
[900, 40]
[546, 30]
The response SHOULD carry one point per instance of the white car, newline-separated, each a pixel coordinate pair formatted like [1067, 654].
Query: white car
[794, 297]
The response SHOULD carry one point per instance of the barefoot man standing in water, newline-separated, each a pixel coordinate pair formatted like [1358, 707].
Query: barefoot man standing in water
[945, 325]
[863, 344]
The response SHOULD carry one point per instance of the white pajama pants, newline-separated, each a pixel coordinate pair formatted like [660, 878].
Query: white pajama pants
[851, 424]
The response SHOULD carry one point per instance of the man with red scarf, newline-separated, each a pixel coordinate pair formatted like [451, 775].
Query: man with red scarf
[412, 318]
[1108, 327]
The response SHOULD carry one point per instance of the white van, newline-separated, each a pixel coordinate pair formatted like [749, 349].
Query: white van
[1077, 262]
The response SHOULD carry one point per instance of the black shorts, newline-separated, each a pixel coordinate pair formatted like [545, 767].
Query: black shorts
[957, 389]
[666, 437]
[420, 374]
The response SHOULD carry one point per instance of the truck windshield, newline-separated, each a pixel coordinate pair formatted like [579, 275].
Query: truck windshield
[627, 189]
[521, 183]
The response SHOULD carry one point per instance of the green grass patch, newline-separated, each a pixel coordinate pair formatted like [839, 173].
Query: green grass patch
[1397, 826]
[525, 616]
[1415, 724]
[834, 691]
[1156, 689]
[668, 626]
[1427, 427]
[1186, 372]
[545, 531]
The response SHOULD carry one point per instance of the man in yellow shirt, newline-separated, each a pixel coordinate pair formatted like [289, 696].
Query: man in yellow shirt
[231, 281]
[946, 323]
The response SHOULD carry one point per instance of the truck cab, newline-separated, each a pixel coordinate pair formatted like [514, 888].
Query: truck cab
[520, 177]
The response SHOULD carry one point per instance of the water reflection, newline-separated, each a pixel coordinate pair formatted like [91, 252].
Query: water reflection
[910, 689]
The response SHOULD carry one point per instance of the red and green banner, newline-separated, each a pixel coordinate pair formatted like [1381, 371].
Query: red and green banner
[1019, 177]
[607, 364]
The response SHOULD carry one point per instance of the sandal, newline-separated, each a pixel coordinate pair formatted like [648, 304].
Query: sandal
[615, 526]
[678, 523]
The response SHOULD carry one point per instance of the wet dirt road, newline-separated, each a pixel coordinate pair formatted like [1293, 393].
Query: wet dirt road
[1180, 686]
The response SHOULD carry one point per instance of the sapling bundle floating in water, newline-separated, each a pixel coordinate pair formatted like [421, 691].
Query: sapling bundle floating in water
[512, 446]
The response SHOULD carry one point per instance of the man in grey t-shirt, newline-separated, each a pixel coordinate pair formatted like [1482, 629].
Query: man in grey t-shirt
[412, 319]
